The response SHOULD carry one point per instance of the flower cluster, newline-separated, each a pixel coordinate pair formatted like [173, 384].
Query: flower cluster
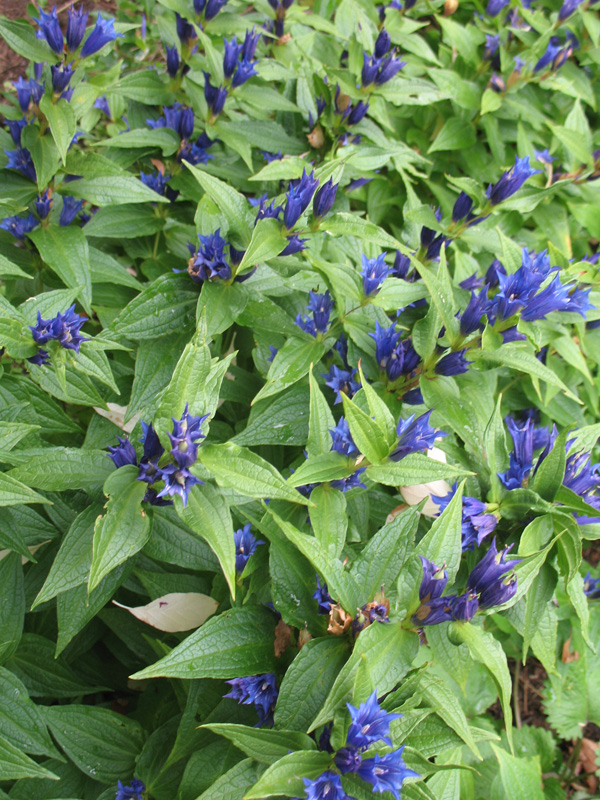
[239, 65]
[370, 724]
[414, 435]
[477, 522]
[180, 119]
[258, 690]
[63, 328]
[396, 357]
[320, 306]
[176, 476]
[382, 66]
[103, 32]
[209, 261]
[134, 791]
[491, 583]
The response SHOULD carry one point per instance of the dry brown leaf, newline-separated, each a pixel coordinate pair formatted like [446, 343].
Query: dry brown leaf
[283, 637]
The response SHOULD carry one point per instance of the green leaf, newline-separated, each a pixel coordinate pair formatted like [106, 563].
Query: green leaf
[114, 191]
[146, 87]
[308, 681]
[484, 648]
[103, 744]
[319, 422]
[388, 651]
[11, 270]
[64, 468]
[15, 765]
[235, 781]
[12, 604]
[440, 289]
[236, 643]
[521, 777]
[246, 472]
[20, 36]
[61, 118]
[43, 153]
[164, 139]
[285, 776]
[21, 721]
[150, 314]
[125, 527]
[396, 293]
[231, 203]
[265, 243]
[13, 492]
[65, 250]
[291, 363]
[263, 745]
[380, 562]
[367, 434]
[496, 450]
[442, 543]
[412, 470]
[282, 420]
[207, 514]
[222, 304]
[345, 224]
[440, 696]
[549, 475]
[154, 367]
[455, 134]
[329, 519]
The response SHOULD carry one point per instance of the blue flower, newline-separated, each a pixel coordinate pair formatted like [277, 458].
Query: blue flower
[215, 96]
[298, 197]
[494, 7]
[246, 70]
[591, 587]
[185, 30]
[269, 157]
[356, 113]
[267, 210]
[186, 432]
[453, 364]
[321, 306]
[370, 723]
[462, 207]
[380, 70]
[374, 272]
[28, 92]
[543, 156]
[63, 328]
[250, 43]
[258, 690]
[71, 207]
[476, 522]
[464, 607]
[433, 582]
[414, 435]
[401, 266]
[342, 441]
[324, 199]
[351, 482]
[489, 578]
[382, 43]
[43, 204]
[209, 262]
[15, 127]
[492, 43]
[41, 358]
[230, 56]
[50, 29]
[327, 786]
[102, 104]
[212, 8]
[102, 34]
[134, 791]
[245, 546]
[347, 759]
[323, 598]
[511, 181]
[172, 61]
[153, 449]
[155, 181]
[581, 476]
[61, 77]
[567, 8]
[76, 28]
[394, 356]
[521, 457]
[342, 381]
[434, 612]
[413, 398]
[177, 481]
[123, 453]
[386, 773]
[21, 161]
[19, 227]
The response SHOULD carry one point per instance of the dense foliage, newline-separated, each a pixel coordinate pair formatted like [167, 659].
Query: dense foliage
[299, 400]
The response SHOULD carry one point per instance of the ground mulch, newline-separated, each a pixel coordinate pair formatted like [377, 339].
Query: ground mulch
[13, 65]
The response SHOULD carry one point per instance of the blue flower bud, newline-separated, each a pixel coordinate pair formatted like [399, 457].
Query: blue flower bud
[251, 40]
[462, 207]
[230, 57]
[374, 272]
[324, 199]
[212, 8]
[102, 34]
[357, 113]
[382, 43]
[245, 71]
[453, 364]
[50, 29]
[342, 441]
[494, 7]
[295, 245]
[123, 453]
[76, 28]
[299, 195]
[347, 759]
[43, 204]
[28, 92]
[61, 77]
[71, 207]
[567, 8]
[21, 161]
[185, 29]
[172, 61]
[215, 96]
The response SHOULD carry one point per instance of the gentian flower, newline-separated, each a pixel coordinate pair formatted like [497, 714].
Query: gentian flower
[61, 77]
[521, 457]
[76, 28]
[489, 579]
[209, 262]
[433, 582]
[327, 786]
[494, 7]
[321, 306]
[71, 207]
[323, 598]
[19, 227]
[511, 181]
[28, 91]
[185, 30]
[267, 210]
[453, 364]
[50, 30]
[591, 587]
[386, 773]
[324, 199]
[543, 156]
[394, 356]
[351, 482]
[370, 724]
[212, 8]
[476, 522]
[245, 70]
[464, 607]
[102, 34]
[43, 204]
[186, 432]
[298, 197]
[258, 690]
[357, 113]
[215, 96]
[567, 8]
[41, 358]
[230, 57]
[347, 759]
[434, 612]
[102, 104]
[342, 441]
[63, 328]
[172, 61]
[134, 791]
[342, 381]
[250, 43]
[21, 160]
[374, 272]
[462, 207]
[15, 127]
[177, 481]
[414, 435]
[245, 546]
[155, 181]
[123, 453]
[382, 43]
[295, 245]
